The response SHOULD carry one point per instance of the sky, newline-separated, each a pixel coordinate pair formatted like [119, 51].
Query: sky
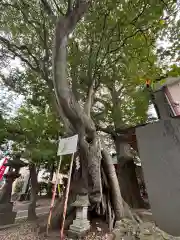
[15, 101]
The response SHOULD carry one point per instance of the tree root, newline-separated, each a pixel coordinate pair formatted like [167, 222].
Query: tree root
[112, 206]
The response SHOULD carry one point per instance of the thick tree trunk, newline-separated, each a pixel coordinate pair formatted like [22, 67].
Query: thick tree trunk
[50, 185]
[81, 186]
[80, 121]
[129, 185]
[34, 192]
[25, 196]
[94, 157]
[114, 185]
[126, 171]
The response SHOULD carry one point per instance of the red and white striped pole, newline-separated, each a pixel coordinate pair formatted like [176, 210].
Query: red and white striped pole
[66, 199]
[3, 168]
[53, 196]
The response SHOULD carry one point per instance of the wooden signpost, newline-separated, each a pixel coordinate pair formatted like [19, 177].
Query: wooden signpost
[66, 146]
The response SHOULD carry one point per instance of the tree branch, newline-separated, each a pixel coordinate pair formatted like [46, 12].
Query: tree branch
[97, 66]
[139, 14]
[88, 103]
[45, 60]
[48, 9]
[120, 90]
[58, 8]
[90, 92]
[108, 130]
[101, 100]
[124, 42]
[31, 22]
[13, 49]
[69, 6]
[100, 45]
[11, 85]
[72, 110]
[165, 4]
[70, 21]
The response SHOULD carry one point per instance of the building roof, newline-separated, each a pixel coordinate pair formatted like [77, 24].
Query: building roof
[168, 81]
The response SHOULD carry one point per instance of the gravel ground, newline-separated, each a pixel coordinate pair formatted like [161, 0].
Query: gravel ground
[29, 231]
[99, 231]
[24, 231]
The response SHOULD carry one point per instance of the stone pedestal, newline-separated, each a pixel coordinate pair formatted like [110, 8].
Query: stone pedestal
[7, 216]
[81, 224]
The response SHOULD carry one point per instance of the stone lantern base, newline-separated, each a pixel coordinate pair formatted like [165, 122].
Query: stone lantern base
[81, 224]
[78, 228]
[7, 216]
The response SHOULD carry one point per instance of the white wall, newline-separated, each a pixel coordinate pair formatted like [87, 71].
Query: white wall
[174, 90]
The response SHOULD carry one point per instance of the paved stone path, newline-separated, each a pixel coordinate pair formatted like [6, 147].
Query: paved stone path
[21, 208]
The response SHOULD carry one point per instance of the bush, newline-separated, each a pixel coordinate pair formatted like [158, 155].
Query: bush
[43, 187]
[18, 187]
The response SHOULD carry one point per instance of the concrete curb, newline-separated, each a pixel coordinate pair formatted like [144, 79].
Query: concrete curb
[9, 226]
[19, 221]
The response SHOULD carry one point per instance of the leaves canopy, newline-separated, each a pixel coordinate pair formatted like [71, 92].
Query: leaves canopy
[35, 133]
[115, 46]
[111, 51]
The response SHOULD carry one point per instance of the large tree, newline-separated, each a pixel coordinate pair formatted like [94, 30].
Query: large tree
[115, 57]
[71, 87]
[34, 132]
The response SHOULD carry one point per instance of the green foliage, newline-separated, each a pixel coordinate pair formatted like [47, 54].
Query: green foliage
[36, 135]
[4, 108]
[116, 48]
[18, 186]
[43, 186]
[174, 71]
[168, 49]
[26, 33]
[111, 49]
[3, 133]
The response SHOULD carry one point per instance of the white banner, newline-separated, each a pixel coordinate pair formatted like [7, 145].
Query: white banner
[67, 145]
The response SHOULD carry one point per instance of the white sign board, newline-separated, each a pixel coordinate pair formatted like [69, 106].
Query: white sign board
[114, 159]
[67, 145]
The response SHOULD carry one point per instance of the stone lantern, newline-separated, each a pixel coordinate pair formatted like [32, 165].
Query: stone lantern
[81, 224]
[7, 216]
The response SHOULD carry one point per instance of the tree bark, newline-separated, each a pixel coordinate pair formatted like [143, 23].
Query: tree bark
[126, 171]
[49, 187]
[90, 167]
[129, 185]
[80, 120]
[88, 103]
[34, 192]
[114, 185]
